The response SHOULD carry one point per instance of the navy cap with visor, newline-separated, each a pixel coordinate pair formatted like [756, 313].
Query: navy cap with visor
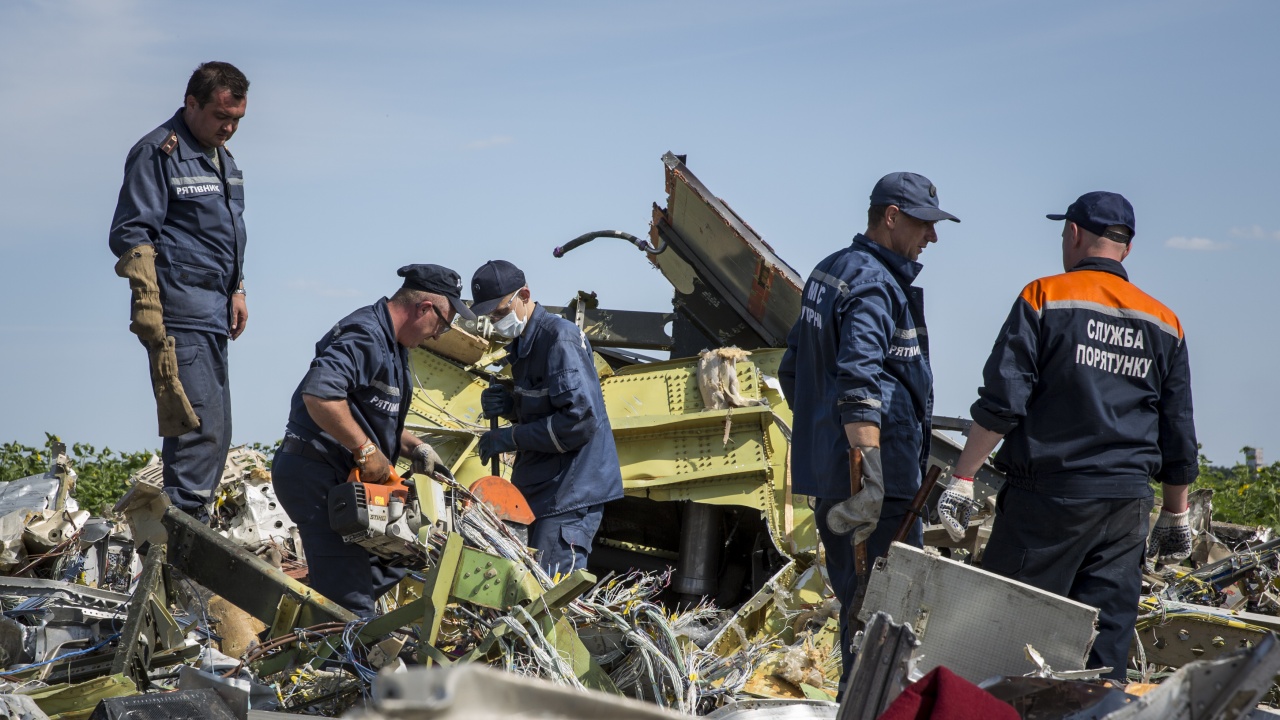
[1094, 211]
[913, 194]
[439, 280]
[494, 280]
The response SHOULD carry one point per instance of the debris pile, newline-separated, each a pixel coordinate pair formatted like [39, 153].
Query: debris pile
[705, 593]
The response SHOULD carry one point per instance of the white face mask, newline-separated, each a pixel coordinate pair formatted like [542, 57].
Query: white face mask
[510, 326]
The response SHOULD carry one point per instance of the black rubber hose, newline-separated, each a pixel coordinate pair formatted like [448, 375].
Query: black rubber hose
[642, 245]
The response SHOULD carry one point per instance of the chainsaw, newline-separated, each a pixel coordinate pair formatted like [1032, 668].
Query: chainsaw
[383, 519]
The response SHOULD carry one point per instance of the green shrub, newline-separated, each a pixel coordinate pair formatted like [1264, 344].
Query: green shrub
[1241, 495]
[102, 474]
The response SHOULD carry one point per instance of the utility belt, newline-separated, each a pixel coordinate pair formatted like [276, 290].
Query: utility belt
[297, 446]
[1110, 487]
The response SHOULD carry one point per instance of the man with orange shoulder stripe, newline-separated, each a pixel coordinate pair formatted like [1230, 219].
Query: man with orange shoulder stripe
[1089, 385]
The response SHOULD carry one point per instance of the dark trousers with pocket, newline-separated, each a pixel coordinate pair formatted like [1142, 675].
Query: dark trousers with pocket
[1087, 549]
[564, 540]
[194, 461]
[841, 571]
[346, 574]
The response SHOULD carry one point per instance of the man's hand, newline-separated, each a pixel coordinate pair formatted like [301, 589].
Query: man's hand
[496, 442]
[859, 514]
[956, 505]
[497, 401]
[374, 468]
[426, 461]
[239, 315]
[1170, 541]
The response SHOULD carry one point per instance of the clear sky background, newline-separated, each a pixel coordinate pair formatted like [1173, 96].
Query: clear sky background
[385, 133]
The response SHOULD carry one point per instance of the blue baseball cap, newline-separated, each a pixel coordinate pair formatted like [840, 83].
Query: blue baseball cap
[494, 280]
[1094, 211]
[913, 194]
[439, 280]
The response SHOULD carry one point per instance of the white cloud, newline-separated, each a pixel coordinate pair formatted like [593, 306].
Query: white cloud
[1195, 243]
[1255, 232]
[489, 142]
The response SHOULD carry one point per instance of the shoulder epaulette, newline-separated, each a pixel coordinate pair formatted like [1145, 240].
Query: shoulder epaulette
[170, 143]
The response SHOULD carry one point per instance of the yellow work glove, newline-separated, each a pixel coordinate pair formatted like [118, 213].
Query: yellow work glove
[173, 410]
[146, 317]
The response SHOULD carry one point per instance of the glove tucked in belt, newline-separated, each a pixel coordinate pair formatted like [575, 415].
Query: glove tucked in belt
[173, 410]
[146, 316]
[860, 514]
[174, 413]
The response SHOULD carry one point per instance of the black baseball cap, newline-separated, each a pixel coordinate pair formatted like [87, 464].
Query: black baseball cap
[913, 194]
[1094, 211]
[494, 280]
[439, 280]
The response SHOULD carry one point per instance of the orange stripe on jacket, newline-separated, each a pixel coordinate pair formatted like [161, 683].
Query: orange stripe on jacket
[1099, 288]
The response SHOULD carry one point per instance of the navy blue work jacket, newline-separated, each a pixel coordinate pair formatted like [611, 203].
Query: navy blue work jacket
[565, 456]
[859, 353]
[1090, 385]
[176, 200]
[360, 361]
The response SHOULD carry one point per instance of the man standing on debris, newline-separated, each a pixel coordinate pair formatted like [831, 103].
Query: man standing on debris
[179, 237]
[856, 374]
[349, 412]
[566, 462]
[1089, 385]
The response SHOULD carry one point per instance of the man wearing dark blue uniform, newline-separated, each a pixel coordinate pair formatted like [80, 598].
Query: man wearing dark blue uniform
[566, 462]
[1090, 388]
[179, 237]
[856, 374]
[349, 412]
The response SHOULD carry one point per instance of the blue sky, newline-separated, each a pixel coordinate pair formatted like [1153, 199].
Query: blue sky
[380, 134]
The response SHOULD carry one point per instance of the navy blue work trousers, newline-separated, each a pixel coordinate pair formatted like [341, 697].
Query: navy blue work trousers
[841, 572]
[194, 461]
[346, 574]
[564, 540]
[1086, 549]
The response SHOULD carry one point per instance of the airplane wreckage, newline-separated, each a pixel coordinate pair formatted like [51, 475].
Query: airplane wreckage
[704, 594]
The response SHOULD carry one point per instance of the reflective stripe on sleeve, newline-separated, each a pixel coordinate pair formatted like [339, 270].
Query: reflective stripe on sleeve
[552, 433]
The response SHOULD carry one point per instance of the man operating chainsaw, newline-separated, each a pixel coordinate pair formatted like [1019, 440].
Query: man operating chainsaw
[348, 412]
[566, 462]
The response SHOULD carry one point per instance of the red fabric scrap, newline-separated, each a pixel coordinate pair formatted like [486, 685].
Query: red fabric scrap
[943, 695]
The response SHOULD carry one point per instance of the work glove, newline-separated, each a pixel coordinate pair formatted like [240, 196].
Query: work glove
[956, 505]
[173, 410]
[146, 317]
[374, 468]
[426, 461]
[497, 401]
[1170, 541]
[859, 514]
[496, 442]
